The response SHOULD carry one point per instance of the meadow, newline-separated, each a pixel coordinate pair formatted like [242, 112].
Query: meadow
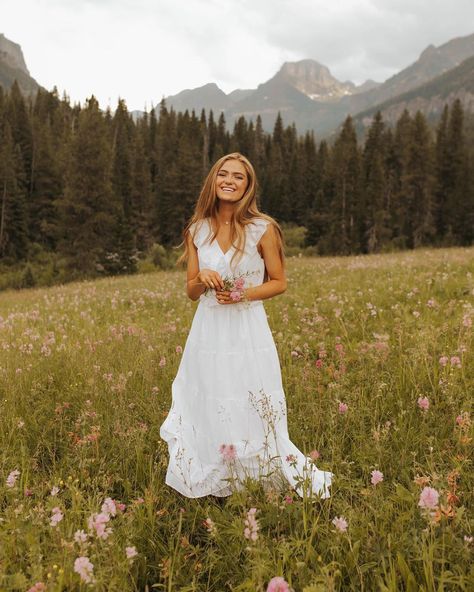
[377, 365]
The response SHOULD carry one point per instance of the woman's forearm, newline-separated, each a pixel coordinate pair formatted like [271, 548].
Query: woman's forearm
[195, 288]
[265, 290]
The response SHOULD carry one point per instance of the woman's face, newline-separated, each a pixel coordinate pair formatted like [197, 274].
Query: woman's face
[231, 181]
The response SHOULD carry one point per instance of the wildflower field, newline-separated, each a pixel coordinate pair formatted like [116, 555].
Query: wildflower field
[378, 368]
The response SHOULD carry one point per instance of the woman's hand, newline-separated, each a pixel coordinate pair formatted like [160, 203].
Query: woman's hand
[211, 279]
[224, 297]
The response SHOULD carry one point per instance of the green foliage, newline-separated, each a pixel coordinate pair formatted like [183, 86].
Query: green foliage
[99, 189]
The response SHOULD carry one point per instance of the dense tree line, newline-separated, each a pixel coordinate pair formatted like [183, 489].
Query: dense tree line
[99, 189]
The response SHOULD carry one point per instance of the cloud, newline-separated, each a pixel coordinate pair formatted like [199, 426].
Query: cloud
[141, 50]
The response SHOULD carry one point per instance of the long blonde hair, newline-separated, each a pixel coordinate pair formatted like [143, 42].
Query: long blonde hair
[245, 210]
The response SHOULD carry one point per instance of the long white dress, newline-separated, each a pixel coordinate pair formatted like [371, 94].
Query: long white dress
[228, 419]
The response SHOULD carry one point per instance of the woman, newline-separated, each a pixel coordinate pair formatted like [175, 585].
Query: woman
[228, 418]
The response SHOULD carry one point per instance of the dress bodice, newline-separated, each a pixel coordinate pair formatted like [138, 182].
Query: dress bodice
[210, 255]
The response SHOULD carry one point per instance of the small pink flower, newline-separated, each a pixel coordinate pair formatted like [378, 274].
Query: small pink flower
[84, 568]
[97, 522]
[236, 295]
[131, 552]
[239, 283]
[28, 492]
[342, 407]
[12, 477]
[162, 362]
[278, 584]
[288, 499]
[291, 458]
[80, 536]
[121, 507]
[443, 360]
[228, 452]
[377, 477]
[294, 354]
[251, 525]
[423, 403]
[179, 349]
[108, 507]
[455, 361]
[339, 348]
[429, 498]
[56, 516]
[340, 523]
[38, 587]
[314, 455]
[319, 363]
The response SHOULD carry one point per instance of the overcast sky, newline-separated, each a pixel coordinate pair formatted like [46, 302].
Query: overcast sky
[141, 50]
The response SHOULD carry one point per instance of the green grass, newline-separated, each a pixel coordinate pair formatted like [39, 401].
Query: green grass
[83, 395]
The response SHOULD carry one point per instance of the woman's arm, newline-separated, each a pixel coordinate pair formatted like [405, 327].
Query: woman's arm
[194, 287]
[277, 283]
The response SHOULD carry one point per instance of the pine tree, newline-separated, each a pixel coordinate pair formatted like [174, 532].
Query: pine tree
[89, 213]
[343, 232]
[374, 204]
[13, 220]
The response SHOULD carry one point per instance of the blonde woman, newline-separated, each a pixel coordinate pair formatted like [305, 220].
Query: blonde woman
[228, 419]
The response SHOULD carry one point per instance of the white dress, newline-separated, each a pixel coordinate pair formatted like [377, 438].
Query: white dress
[228, 419]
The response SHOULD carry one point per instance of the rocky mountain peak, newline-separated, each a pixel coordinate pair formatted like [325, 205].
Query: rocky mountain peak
[314, 80]
[12, 55]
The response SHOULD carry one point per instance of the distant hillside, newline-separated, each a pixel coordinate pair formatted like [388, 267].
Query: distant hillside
[13, 67]
[428, 98]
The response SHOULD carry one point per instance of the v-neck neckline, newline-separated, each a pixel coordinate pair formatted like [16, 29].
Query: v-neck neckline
[218, 245]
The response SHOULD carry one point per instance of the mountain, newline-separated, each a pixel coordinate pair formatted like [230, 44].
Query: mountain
[13, 67]
[433, 62]
[306, 93]
[429, 98]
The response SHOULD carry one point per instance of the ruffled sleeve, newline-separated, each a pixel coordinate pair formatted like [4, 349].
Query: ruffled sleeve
[199, 231]
[256, 230]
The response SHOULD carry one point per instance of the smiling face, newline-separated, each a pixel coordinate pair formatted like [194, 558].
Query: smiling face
[231, 181]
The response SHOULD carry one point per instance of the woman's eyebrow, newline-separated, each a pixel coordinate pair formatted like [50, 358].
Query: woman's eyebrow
[224, 171]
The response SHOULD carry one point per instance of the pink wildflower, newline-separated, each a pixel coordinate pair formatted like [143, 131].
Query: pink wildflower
[314, 455]
[38, 587]
[455, 361]
[377, 477]
[423, 403]
[340, 523]
[179, 349]
[319, 363]
[239, 283]
[84, 568]
[12, 477]
[162, 362]
[131, 552]
[443, 360]
[56, 516]
[97, 522]
[278, 584]
[251, 525]
[342, 407]
[80, 536]
[228, 452]
[429, 498]
[108, 507]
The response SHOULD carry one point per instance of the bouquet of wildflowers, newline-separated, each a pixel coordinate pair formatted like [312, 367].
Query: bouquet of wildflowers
[235, 284]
